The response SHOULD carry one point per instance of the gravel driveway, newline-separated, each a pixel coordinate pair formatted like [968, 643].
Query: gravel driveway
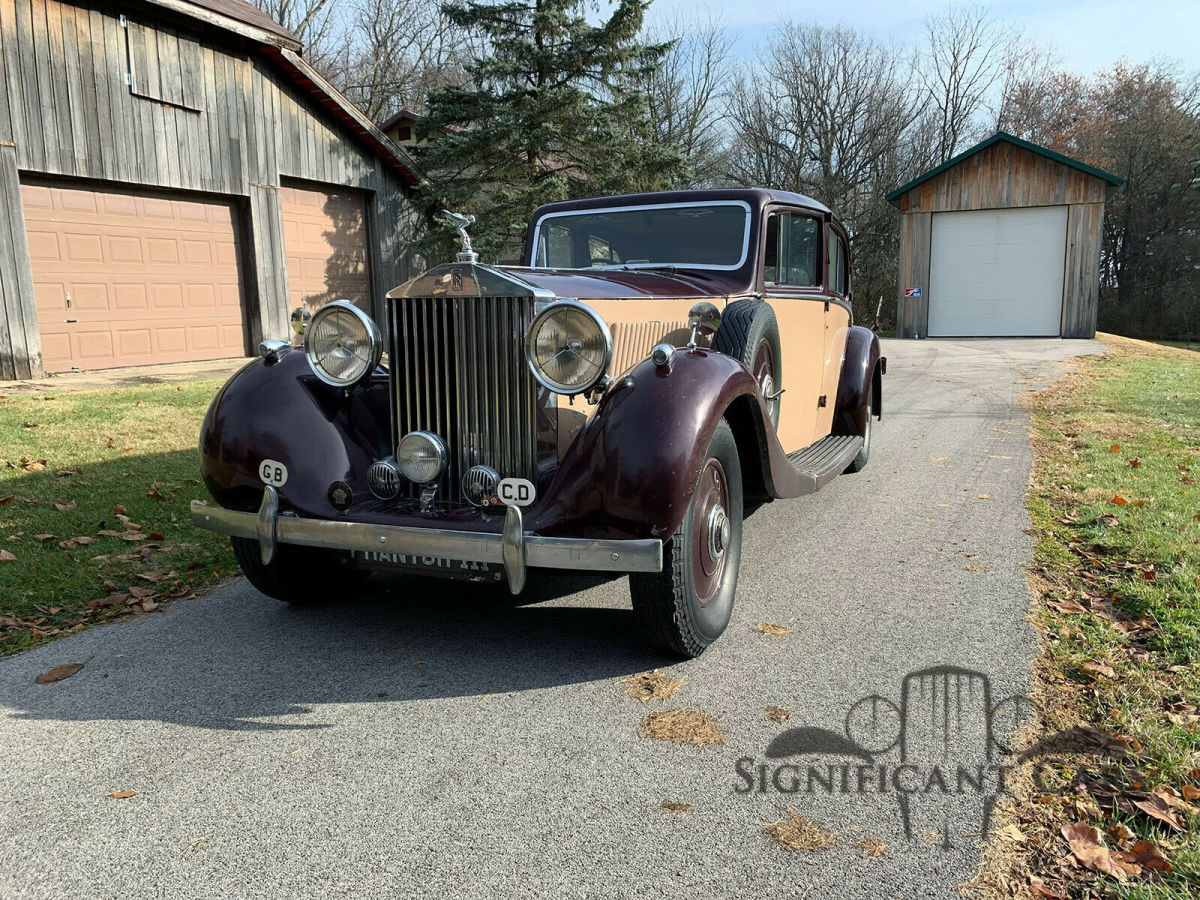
[429, 740]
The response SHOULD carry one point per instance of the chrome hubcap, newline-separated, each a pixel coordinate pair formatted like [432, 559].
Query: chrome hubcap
[718, 532]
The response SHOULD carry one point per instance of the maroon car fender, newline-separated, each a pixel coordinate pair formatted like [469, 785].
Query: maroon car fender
[860, 371]
[282, 412]
[632, 469]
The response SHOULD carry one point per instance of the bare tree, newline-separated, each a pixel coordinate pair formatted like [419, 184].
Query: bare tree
[831, 113]
[314, 23]
[686, 96]
[300, 17]
[966, 51]
[397, 51]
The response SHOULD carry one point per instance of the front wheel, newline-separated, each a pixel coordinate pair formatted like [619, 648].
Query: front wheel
[864, 419]
[302, 576]
[686, 607]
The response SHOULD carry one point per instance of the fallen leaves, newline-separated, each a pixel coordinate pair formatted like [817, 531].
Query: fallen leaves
[76, 542]
[122, 795]
[650, 686]
[797, 833]
[1108, 520]
[58, 673]
[1093, 668]
[682, 726]
[1012, 834]
[1164, 804]
[780, 714]
[65, 507]
[4, 501]
[873, 847]
[1087, 846]
[770, 628]
[676, 807]
[5, 556]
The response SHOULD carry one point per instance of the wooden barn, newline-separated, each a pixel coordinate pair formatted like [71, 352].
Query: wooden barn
[174, 179]
[1002, 240]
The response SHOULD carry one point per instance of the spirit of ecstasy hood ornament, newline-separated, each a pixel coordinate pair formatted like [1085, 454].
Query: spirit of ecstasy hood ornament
[460, 222]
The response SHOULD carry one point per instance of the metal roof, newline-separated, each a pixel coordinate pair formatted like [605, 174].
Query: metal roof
[1112, 179]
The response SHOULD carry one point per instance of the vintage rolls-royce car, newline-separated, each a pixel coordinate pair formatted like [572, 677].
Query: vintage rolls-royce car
[610, 405]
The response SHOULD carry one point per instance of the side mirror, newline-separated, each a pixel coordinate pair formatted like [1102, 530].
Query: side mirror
[704, 319]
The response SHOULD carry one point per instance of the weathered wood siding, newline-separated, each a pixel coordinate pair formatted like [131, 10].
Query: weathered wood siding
[227, 122]
[1081, 290]
[915, 231]
[1005, 176]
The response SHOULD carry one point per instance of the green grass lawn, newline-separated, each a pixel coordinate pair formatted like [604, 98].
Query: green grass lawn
[1116, 511]
[1182, 345]
[110, 474]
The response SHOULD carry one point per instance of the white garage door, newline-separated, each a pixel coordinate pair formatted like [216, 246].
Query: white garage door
[997, 272]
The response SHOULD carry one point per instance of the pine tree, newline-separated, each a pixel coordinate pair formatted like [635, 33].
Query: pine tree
[550, 113]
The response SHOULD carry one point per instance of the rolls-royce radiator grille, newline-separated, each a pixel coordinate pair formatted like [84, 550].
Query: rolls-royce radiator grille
[458, 369]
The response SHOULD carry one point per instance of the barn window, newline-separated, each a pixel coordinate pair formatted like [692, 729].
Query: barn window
[164, 66]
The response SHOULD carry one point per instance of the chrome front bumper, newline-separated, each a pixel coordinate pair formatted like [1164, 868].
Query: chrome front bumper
[514, 548]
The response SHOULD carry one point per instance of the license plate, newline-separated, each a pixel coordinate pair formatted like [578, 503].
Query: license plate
[429, 565]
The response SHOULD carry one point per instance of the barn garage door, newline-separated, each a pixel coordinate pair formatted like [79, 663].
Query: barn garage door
[325, 236]
[997, 272]
[122, 279]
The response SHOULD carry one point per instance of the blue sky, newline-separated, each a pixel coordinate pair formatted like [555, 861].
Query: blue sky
[1087, 34]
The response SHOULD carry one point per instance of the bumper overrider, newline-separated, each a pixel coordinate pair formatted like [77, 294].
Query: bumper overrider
[514, 548]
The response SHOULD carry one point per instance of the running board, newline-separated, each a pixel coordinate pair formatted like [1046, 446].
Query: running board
[819, 463]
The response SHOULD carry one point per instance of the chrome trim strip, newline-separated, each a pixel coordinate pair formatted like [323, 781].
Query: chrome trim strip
[583, 554]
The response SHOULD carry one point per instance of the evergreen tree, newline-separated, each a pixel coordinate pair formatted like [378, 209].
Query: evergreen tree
[550, 113]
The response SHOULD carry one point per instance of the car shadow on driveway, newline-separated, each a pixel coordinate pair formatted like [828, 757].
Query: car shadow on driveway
[235, 657]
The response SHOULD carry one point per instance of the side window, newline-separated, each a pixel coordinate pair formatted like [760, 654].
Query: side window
[793, 245]
[555, 249]
[837, 264]
[600, 252]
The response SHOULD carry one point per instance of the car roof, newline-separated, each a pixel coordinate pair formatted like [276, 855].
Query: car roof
[757, 198]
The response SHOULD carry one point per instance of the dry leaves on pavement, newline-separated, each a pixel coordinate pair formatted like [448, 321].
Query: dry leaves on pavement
[797, 833]
[780, 714]
[676, 807]
[651, 686]
[58, 673]
[682, 726]
[770, 628]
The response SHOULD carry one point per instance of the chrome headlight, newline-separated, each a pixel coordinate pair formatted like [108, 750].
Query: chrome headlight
[569, 348]
[422, 457]
[342, 343]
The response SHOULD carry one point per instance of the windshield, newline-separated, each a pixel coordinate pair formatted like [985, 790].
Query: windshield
[712, 235]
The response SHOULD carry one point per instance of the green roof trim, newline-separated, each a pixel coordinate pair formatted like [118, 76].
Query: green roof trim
[1114, 180]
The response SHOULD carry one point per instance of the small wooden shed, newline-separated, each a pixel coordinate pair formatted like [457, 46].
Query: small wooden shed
[1002, 240]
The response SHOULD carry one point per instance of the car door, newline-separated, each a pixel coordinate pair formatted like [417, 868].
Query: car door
[793, 274]
[837, 325]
